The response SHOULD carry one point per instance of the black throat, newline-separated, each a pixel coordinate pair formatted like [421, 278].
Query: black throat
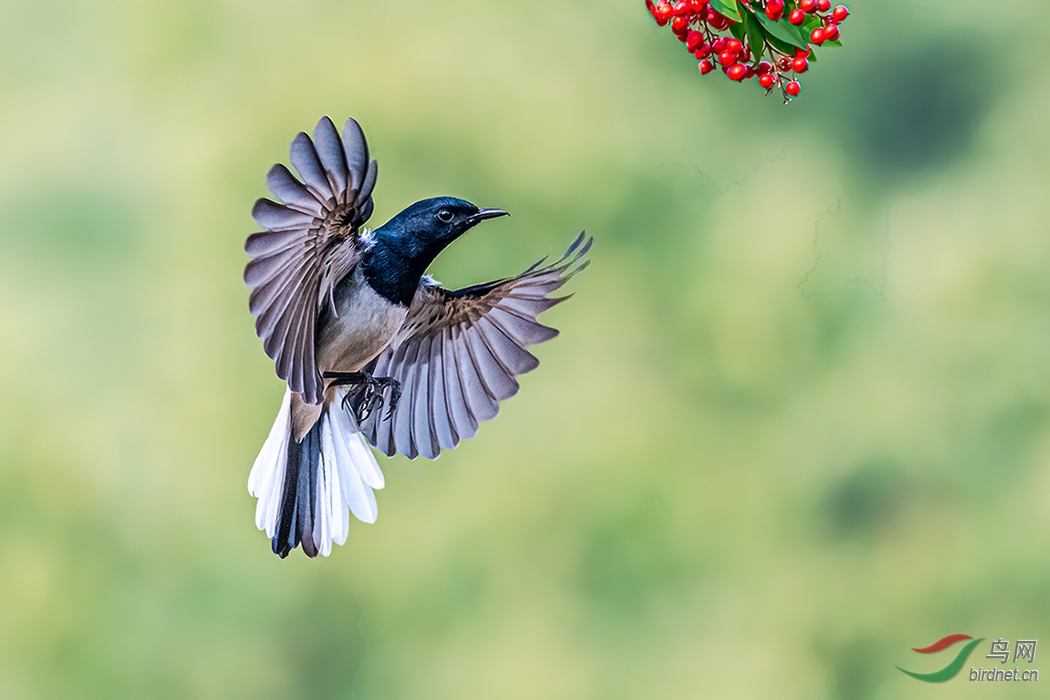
[392, 272]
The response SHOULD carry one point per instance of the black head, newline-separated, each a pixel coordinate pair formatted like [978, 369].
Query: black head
[408, 243]
[427, 226]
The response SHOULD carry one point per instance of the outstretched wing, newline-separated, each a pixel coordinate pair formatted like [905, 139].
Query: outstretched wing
[458, 353]
[311, 242]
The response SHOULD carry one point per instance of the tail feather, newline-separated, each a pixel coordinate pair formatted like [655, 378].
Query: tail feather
[266, 481]
[308, 489]
[296, 521]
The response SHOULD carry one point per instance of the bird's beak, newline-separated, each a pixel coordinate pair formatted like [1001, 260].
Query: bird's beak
[489, 214]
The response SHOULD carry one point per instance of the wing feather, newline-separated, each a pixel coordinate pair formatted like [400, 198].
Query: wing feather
[278, 217]
[266, 243]
[269, 317]
[459, 353]
[440, 420]
[311, 241]
[482, 405]
[368, 184]
[497, 383]
[403, 415]
[512, 357]
[524, 331]
[330, 153]
[355, 147]
[460, 417]
[529, 307]
[289, 190]
[422, 430]
[308, 165]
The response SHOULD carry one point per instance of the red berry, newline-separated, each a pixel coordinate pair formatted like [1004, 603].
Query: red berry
[831, 33]
[840, 13]
[808, 6]
[664, 12]
[704, 51]
[697, 5]
[775, 10]
[718, 22]
[764, 67]
[766, 80]
[681, 8]
[737, 72]
[796, 17]
[693, 40]
[719, 46]
[750, 72]
[816, 36]
[706, 67]
[804, 53]
[727, 58]
[679, 25]
[734, 45]
[793, 88]
[823, 5]
[800, 65]
[784, 62]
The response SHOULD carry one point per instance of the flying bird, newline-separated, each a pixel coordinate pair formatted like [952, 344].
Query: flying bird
[375, 352]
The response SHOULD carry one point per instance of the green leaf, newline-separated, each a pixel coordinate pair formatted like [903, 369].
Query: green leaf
[781, 46]
[781, 30]
[727, 8]
[829, 42]
[755, 36]
[737, 30]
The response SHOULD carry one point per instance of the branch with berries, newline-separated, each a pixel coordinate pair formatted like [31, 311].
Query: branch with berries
[771, 40]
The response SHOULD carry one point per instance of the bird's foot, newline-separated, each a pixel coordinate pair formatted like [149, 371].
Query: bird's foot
[370, 389]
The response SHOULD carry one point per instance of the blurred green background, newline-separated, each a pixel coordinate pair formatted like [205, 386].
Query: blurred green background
[797, 421]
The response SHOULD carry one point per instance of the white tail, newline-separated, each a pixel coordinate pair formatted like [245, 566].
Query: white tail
[306, 489]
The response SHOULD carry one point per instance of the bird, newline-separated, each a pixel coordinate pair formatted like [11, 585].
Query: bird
[375, 352]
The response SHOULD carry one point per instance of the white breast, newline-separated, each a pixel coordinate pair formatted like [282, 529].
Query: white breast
[365, 325]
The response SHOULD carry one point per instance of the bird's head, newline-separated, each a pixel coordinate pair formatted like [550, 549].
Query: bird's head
[407, 244]
[425, 228]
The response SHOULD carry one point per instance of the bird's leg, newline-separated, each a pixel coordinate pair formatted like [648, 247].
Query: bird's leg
[345, 378]
[371, 389]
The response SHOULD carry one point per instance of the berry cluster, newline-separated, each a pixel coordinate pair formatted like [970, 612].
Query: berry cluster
[771, 40]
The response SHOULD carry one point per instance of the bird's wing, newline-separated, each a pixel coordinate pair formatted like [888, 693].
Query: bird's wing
[458, 353]
[312, 240]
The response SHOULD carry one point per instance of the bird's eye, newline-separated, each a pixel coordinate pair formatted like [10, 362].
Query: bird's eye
[445, 215]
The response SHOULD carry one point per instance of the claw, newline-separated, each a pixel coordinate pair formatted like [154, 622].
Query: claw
[395, 396]
[369, 388]
[372, 400]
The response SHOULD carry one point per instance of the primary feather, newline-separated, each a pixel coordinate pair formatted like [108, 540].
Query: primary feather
[312, 240]
[473, 341]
